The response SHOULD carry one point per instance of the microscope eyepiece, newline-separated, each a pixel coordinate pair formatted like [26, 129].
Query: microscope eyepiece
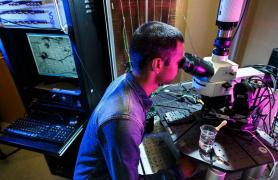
[196, 66]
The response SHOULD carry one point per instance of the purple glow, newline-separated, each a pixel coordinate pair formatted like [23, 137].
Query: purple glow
[200, 69]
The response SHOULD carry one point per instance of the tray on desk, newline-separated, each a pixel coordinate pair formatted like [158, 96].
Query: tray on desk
[231, 152]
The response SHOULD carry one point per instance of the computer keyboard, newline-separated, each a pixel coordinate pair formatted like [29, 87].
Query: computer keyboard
[41, 130]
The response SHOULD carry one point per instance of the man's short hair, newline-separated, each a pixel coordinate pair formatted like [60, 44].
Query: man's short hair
[153, 40]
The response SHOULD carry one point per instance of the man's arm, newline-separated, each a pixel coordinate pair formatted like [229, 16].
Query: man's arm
[120, 141]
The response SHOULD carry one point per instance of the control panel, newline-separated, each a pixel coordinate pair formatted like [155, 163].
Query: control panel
[60, 94]
[45, 14]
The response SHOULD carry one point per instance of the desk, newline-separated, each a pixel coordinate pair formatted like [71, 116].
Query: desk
[234, 152]
[60, 158]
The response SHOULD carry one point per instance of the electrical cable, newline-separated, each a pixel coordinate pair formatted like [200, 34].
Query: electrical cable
[185, 88]
[86, 72]
[274, 131]
[59, 20]
[138, 12]
[171, 100]
[264, 83]
[262, 99]
[130, 16]
[274, 81]
[161, 10]
[268, 69]
[128, 66]
[146, 10]
[143, 169]
[257, 98]
[153, 10]
[169, 12]
[5, 156]
[261, 66]
[258, 106]
[270, 113]
[272, 172]
[126, 48]
[160, 88]
[59, 17]
[26, 26]
[257, 95]
[241, 18]
[270, 100]
[178, 98]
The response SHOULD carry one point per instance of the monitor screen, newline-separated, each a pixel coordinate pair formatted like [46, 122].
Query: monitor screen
[53, 55]
[273, 60]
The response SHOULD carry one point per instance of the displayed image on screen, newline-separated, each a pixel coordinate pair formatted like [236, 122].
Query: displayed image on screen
[53, 55]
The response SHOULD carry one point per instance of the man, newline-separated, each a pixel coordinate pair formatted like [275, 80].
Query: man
[110, 146]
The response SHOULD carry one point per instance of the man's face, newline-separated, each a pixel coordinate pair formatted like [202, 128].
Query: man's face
[170, 71]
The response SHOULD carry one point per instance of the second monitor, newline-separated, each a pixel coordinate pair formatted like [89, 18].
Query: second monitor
[53, 55]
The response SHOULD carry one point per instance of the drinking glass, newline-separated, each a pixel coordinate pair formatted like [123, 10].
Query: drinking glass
[206, 141]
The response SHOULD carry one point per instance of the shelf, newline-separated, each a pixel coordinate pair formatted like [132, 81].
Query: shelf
[40, 146]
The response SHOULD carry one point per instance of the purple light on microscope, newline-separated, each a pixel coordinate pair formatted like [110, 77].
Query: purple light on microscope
[200, 69]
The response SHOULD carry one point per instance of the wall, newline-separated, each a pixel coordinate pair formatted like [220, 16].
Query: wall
[196, 19]
[260, 33]
[198, 25]
[11, 106]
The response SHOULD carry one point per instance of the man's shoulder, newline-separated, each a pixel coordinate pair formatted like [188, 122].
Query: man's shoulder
[119, 102]
[120, 92]
[120, 105]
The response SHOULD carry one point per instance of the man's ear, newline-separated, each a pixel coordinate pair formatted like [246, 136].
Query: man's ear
[157, 64]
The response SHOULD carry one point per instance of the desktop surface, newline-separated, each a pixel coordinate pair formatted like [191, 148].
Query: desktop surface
[232, 150]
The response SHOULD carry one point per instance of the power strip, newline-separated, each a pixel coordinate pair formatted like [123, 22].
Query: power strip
[269, 140]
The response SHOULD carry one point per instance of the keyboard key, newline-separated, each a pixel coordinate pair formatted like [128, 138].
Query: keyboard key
[42, 130]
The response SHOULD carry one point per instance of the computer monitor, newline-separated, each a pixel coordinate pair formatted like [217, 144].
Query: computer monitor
[53, 55]
[273, 60]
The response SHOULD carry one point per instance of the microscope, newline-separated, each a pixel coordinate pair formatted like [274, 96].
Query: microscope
[225, 88]
[225, 70]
